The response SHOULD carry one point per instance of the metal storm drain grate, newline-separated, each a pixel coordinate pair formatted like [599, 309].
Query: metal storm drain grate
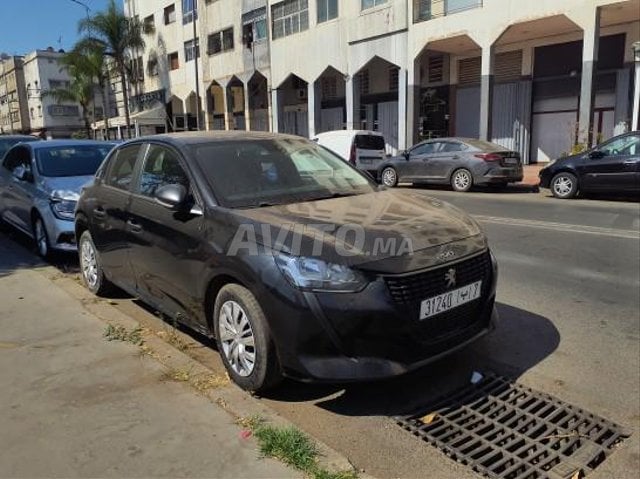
[504, 430]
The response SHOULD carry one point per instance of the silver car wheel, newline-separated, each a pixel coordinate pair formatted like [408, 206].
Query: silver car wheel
[42, 242]
[462, 180]
[562, 186]
[236, 337]
[89, 264]
[389, 177]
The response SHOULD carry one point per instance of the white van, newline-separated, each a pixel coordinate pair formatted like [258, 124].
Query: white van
[363, 149]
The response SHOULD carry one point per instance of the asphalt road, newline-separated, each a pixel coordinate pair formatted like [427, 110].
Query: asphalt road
[569, 301]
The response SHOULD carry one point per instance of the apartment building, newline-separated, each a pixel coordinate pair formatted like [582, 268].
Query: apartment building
[537, 77]
[13, 109]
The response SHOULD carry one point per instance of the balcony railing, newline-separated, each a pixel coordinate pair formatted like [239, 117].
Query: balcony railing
[428, 9]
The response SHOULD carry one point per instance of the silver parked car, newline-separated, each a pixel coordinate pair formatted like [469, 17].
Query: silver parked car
[460, 162]
[7, 141]
[40, 183]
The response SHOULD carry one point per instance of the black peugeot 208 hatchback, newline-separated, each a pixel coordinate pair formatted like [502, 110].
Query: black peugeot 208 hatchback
[294, 261]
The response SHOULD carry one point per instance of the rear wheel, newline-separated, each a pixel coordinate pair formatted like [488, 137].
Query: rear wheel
[389, 177]
[244, 341]
[91, 267]
[564, 185]
[462, 180]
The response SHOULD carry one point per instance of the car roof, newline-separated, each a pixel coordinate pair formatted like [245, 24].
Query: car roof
[348, 133]
[200, 137]
[19, 137]
[62, 143]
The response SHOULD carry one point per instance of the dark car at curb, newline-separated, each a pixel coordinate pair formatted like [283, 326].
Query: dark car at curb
[461, 163]
[233, 234]
[611, 167]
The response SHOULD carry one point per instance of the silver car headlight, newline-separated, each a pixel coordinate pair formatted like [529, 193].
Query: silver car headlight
[63, 209]
[314, 274]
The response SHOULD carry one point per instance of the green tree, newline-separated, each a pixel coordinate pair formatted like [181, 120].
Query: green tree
[117, 35]
[81, 86]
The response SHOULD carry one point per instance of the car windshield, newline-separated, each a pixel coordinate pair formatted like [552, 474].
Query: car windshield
[77, 160]
[246, 174]
[484, 145]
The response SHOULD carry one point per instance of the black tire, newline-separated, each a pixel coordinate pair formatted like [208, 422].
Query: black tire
[98, 285]
[564, 185]
[389, 177]
[498, 186]
[461, 180]
[265, 372]
[40, 236]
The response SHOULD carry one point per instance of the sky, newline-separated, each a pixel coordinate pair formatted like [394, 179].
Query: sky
[27, 25]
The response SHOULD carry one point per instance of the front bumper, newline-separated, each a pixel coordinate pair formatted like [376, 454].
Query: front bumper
[365, 336]
[61, 233]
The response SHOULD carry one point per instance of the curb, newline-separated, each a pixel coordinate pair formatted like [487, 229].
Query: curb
[225, 394]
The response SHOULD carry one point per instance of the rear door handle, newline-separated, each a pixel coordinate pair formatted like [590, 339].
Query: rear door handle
[99, 212]
[134, 227]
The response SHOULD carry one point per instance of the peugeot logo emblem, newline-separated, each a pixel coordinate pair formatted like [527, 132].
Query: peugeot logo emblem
[450, 278]
[446, 254]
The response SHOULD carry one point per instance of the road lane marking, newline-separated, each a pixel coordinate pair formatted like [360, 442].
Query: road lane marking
[593, 230]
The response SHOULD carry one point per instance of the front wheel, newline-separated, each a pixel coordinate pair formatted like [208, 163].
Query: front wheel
[462, 180]
[564, 185]
[244, 341]
[41, 237]
[389, 177]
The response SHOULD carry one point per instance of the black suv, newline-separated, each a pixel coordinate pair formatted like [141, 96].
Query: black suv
[297, 263]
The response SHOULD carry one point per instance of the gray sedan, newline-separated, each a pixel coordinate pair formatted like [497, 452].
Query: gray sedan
[460, 162]
[39, 186]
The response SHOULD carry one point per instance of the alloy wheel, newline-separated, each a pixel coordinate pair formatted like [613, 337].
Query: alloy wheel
[462, 180]
[389, 177]
[42, 242]
[237, 339]
[563, 185]
[89, 264]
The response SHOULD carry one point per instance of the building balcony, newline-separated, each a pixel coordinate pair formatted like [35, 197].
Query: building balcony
[429, 9]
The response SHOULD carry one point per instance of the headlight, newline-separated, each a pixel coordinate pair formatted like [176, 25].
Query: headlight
[63, 209]
[317, 275]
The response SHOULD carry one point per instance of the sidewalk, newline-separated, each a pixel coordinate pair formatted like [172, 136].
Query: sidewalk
[74, 405]
[531, 175]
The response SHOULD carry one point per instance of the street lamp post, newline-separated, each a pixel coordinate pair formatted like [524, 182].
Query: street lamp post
[195, 62]
[635, 123]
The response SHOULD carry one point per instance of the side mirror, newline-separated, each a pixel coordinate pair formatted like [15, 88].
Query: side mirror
[22, 174]
[596, 154]
[171, 196]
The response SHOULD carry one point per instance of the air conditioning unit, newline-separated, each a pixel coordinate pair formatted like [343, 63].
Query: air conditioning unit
[302, 93]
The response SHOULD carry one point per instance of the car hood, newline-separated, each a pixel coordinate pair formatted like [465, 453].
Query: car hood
[67, 187]
[386, 230]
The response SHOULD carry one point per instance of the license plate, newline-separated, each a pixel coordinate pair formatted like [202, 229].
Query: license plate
[510, 161]
[450, 300]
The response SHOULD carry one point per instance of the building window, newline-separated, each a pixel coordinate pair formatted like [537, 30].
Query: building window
[221, 41]
[364, 82]
[136, 70]
[174, 62]
[189, 11]
[329, 86]
[327, 10]
[169, 14]
[149, 25]
[254, 26]
[190, 52]
[428, 9]
[422, 10]
[152, 66]
[63, 110]
[436, 69]
[364, 4]
[453, 6]
[289, 17]
[59, 84]
[393, 78]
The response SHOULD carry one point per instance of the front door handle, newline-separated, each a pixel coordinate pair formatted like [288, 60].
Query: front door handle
[134, 227]
[631, 162]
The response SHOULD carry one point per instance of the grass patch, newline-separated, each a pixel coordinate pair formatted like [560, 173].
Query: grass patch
[120, 333]
[173, 338]
[291, 446]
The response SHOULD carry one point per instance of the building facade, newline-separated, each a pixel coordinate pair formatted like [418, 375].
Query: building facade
[537, 77]
[13, 108]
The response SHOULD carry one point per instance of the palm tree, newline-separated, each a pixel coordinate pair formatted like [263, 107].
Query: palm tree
[81, 86]
[95, 65]
[117, 34]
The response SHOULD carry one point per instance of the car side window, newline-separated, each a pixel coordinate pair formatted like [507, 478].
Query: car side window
[122, 167]
[424, 149]
[16, 157]
[626, 146]
[162, 167]
[450, 147]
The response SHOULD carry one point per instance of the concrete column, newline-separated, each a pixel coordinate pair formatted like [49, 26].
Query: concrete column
[486, 92]
[635, 123]
[275, 108]
[227, 117]
[402, 109]
[353, 103]
[247, 109]
[208, 113]
[589, 69]
[413, 104]
[314, 106]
